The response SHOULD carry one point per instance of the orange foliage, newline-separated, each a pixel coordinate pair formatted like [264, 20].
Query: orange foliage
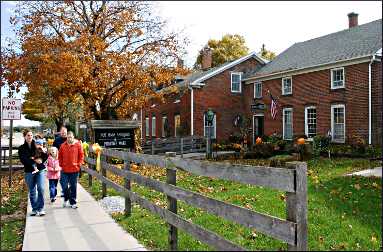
[110, 52]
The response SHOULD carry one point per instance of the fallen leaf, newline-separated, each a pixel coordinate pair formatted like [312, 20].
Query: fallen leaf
[321, 239]
[282, 197]
[373, 238]
[350, 226]
[357, 187]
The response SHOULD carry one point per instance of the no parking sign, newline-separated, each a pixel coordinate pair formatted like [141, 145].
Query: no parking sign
[11, 109]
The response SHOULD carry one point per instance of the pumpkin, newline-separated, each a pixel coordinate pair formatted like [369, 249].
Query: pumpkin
[258, 140]
[134, 167]
[50, 141]
[301, 141]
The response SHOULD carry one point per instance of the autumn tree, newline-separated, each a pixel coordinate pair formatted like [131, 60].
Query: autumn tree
[229, 47]
[111, 53]
[269, 55]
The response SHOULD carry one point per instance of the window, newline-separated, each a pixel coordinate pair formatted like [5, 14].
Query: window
[338, 129]
[153, 126]
[213, 127]
[164, 126]
[288, 123]
[287, 86]
[310, 121]
[337, 78]
[258, 90]
[146, 126]
[235, 82]
[177, 124]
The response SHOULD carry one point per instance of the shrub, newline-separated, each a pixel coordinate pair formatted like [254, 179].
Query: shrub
[320, 145]
[263, 150]
[358, 145]
[280, 160]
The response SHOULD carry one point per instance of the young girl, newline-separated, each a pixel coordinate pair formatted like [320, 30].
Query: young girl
[53, 172]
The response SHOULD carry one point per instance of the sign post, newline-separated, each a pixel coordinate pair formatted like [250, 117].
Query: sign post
[10, 110]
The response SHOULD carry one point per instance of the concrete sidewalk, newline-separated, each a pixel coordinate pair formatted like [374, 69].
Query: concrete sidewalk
[88, 227]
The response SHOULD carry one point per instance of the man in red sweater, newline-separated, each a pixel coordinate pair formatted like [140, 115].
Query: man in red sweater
[71, 156]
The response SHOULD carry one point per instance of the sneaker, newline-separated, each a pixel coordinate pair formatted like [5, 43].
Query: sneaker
[41, 213]
[65, 204]
[74, 206]
[33, 213]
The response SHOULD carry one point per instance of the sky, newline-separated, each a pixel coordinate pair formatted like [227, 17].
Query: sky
[276, 24]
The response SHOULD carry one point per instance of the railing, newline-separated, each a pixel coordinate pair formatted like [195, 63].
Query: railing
[292, 180]
[175, 144]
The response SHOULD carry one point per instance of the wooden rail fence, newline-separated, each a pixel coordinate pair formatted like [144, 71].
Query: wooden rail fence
[292, 180]
[175, 144]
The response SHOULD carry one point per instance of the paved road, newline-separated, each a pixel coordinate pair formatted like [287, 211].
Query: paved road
[87, 228]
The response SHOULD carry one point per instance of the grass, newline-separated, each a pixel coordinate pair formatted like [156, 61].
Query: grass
[344, 213]
[13, 210]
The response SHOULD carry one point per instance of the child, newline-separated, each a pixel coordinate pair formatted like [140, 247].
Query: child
[53, 172]
[41, 154]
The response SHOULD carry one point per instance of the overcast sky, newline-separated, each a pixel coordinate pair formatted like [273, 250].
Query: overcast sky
[278, 25]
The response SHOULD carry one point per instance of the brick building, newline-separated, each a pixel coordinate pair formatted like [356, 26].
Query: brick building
[328, 84]
[331, 83]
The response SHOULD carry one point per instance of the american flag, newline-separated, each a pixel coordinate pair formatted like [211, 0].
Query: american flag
[273, 106]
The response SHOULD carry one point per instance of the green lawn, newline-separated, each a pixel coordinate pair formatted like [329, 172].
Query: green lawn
[344, 212]
[13, 207]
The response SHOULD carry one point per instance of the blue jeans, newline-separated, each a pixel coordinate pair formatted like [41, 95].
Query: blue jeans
[53, 188]
[61, 183]
[70, 193]
[33, 181]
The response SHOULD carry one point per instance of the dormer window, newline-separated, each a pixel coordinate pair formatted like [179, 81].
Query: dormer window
[287, 86]
[236, 82]
[337, 78]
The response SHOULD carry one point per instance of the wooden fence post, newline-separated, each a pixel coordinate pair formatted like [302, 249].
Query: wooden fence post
[296, 206]
[182, 147]
[103, 172]
[152, 146]
[172, 202]
[128, 203]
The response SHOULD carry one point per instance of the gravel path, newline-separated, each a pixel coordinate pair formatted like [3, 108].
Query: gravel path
[112, 204]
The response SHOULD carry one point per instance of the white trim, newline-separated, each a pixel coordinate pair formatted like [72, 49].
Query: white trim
[257, 115]
[332, 122]
[147, 126]
[309, 69]
[306, 124]
[177, 101]
[283, 123]
[231, 82]
[214, 124]
[192, 112]
[255, 83]
[291, 82]
[163, 133]
[332, 78]
[236, 62]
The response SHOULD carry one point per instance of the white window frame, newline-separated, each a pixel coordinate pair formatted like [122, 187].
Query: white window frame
[175, 126]
[163, 125]
[306, 121]
[283, 84]
[332, 122]
[154, 126]
[240, 80]
[147, 128]
[214, 125]
[283, 123]
[332, 78]
[255, 88]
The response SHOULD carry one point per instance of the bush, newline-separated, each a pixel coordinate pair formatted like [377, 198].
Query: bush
[358, 145]
[263, 150]
[320, 145]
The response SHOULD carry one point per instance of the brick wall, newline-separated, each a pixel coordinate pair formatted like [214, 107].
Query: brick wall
[315, 89]
[377, 107]
[216, 94]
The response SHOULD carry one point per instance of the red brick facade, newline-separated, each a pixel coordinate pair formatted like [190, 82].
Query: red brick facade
[309, 89]
[314, 89]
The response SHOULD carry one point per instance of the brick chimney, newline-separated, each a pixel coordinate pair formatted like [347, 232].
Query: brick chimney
[352, 19]
[206, 58]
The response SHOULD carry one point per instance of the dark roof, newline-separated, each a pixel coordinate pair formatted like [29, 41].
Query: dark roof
[362, 40]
